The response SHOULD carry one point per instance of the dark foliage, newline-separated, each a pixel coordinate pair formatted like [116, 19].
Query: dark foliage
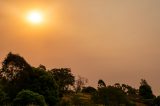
[101, 84]
[145, 90]
[80, 83]
[14, 74]
[64, 78]
[110, 96]
[17, 75]
[44, 84]
[156, 101]
[3, 97]
[27, 97]
[44, 87]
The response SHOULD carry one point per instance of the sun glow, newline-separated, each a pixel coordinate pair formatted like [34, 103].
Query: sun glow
[35, 17]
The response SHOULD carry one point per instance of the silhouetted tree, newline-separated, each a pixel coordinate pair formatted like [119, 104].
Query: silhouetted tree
[130, 91]
[14, 74]
[44, 84]
[101, 84]
[110, 96]
[17, 74]
[80, 83]
[12, 66]
[63, 77]
[43, 87]
[42, 67]
[145, 90]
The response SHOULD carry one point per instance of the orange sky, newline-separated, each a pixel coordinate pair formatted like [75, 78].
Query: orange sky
[117, 41]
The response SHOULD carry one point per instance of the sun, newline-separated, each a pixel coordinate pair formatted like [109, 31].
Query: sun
[35, 17]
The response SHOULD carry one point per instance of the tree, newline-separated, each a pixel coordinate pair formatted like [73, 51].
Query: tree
[44, 84]
[14, 74]
[80, 83]
[63, 77]
[27, 97]
[132, 91]
[12, 66]
[17, 75]
[129, 90]
[42, 67]
[145, 90]
[110, 95]
[101, 84]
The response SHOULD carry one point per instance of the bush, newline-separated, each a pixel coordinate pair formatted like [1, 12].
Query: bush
[27, 97]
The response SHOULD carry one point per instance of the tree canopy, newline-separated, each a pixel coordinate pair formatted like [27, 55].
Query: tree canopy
[63, 77]
[17, 74]
[110, 95]
[22, 84]
[27, 97]
[145, 90]
[101, 83]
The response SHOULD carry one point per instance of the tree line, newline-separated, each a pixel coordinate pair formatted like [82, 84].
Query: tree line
[24, 85]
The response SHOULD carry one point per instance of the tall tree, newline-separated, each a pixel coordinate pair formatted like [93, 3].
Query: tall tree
[12, 66]
[80, 83]
[44, 84]
[17, 75]
[101, 84]
[14, 74]
[145, 90]
[63, 77]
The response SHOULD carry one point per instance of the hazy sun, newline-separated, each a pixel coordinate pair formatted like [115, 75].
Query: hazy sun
[35, 17]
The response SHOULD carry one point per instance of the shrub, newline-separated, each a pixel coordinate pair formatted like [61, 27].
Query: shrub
[27, 97]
